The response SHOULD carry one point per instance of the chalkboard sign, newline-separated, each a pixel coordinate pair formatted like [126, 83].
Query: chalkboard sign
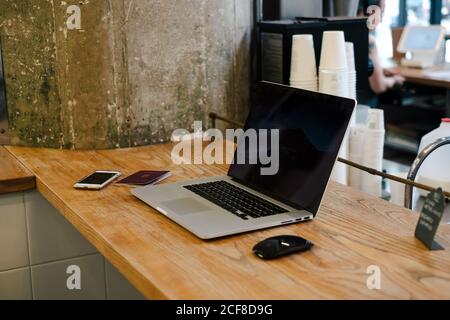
[430, 218]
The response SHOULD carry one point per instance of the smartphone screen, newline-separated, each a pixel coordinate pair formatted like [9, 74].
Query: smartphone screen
[98, 178]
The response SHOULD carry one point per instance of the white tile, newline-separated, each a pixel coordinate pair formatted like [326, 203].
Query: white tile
[50, 280]
[118, 287]
[51, 236]
[15, 284]
[13, 232]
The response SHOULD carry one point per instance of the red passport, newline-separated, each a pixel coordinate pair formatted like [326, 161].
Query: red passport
[143, 178]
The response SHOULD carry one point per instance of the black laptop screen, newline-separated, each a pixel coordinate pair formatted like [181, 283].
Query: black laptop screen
[311, 127]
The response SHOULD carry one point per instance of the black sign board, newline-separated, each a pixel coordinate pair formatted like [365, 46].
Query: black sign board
[430, 218]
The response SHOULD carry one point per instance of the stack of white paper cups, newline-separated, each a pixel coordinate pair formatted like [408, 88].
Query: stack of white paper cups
[357, 138]
[333, 79]
[356, 146]
[373, 152]
[333, 73]
[303, 63]
[350, 51]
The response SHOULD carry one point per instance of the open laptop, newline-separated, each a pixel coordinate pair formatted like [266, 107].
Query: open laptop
[310, 127]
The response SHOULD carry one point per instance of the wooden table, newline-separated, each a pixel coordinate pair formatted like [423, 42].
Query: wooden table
[352, 232]
[438, 77]
[14, 177]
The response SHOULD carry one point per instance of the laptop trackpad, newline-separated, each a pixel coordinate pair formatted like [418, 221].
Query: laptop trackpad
[185, 206]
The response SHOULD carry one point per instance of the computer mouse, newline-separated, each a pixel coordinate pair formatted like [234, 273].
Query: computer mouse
[280, 246]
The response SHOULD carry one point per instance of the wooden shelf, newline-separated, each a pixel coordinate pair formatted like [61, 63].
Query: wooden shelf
[14, 177]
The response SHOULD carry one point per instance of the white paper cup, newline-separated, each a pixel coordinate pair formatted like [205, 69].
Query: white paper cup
[333, 55]
[303, 61]
[304, 83]
[352, 85]
[310, 84]
[376, 119]
[350, 52]
[340, 170]
[356, 149]
[334, 82]
[373, 158]
[314, 80]
[362, 114]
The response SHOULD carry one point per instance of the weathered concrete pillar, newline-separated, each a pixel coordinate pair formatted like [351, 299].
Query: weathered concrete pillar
[135, 71]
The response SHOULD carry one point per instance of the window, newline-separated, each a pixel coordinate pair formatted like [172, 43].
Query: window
[446, 14]
[383, 32]
[447, 51]
[446, 23]
[418, 11]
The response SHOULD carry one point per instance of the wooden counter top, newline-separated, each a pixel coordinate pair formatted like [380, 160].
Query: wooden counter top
[352, 232]
[14, 177]
[438, 76]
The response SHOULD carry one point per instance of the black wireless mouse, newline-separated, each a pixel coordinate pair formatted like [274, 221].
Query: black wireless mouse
[280, 246]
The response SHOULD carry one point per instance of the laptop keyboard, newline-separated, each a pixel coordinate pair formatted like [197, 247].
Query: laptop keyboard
[235, 200]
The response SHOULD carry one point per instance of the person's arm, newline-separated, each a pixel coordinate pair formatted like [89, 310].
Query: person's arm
[379, 82]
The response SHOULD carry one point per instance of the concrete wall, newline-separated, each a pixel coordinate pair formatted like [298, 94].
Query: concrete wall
[136, 70]
[301, 8]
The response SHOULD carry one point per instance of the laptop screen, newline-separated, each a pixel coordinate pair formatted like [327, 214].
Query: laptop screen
[310, 129]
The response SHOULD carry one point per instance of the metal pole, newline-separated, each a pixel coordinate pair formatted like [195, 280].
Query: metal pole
[410, 183]
[418, 163]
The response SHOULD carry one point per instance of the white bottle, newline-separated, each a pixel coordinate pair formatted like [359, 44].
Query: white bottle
[435, 171]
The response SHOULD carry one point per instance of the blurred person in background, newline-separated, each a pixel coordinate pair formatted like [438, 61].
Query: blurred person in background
[380, 80]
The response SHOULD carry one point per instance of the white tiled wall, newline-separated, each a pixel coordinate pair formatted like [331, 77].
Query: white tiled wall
[50, 280]
[52, 237]
[118, 287]
[37, 244]
[15, 284]
[13, 233]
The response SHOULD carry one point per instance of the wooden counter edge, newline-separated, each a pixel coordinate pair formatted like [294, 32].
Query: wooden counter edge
[18, 179]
